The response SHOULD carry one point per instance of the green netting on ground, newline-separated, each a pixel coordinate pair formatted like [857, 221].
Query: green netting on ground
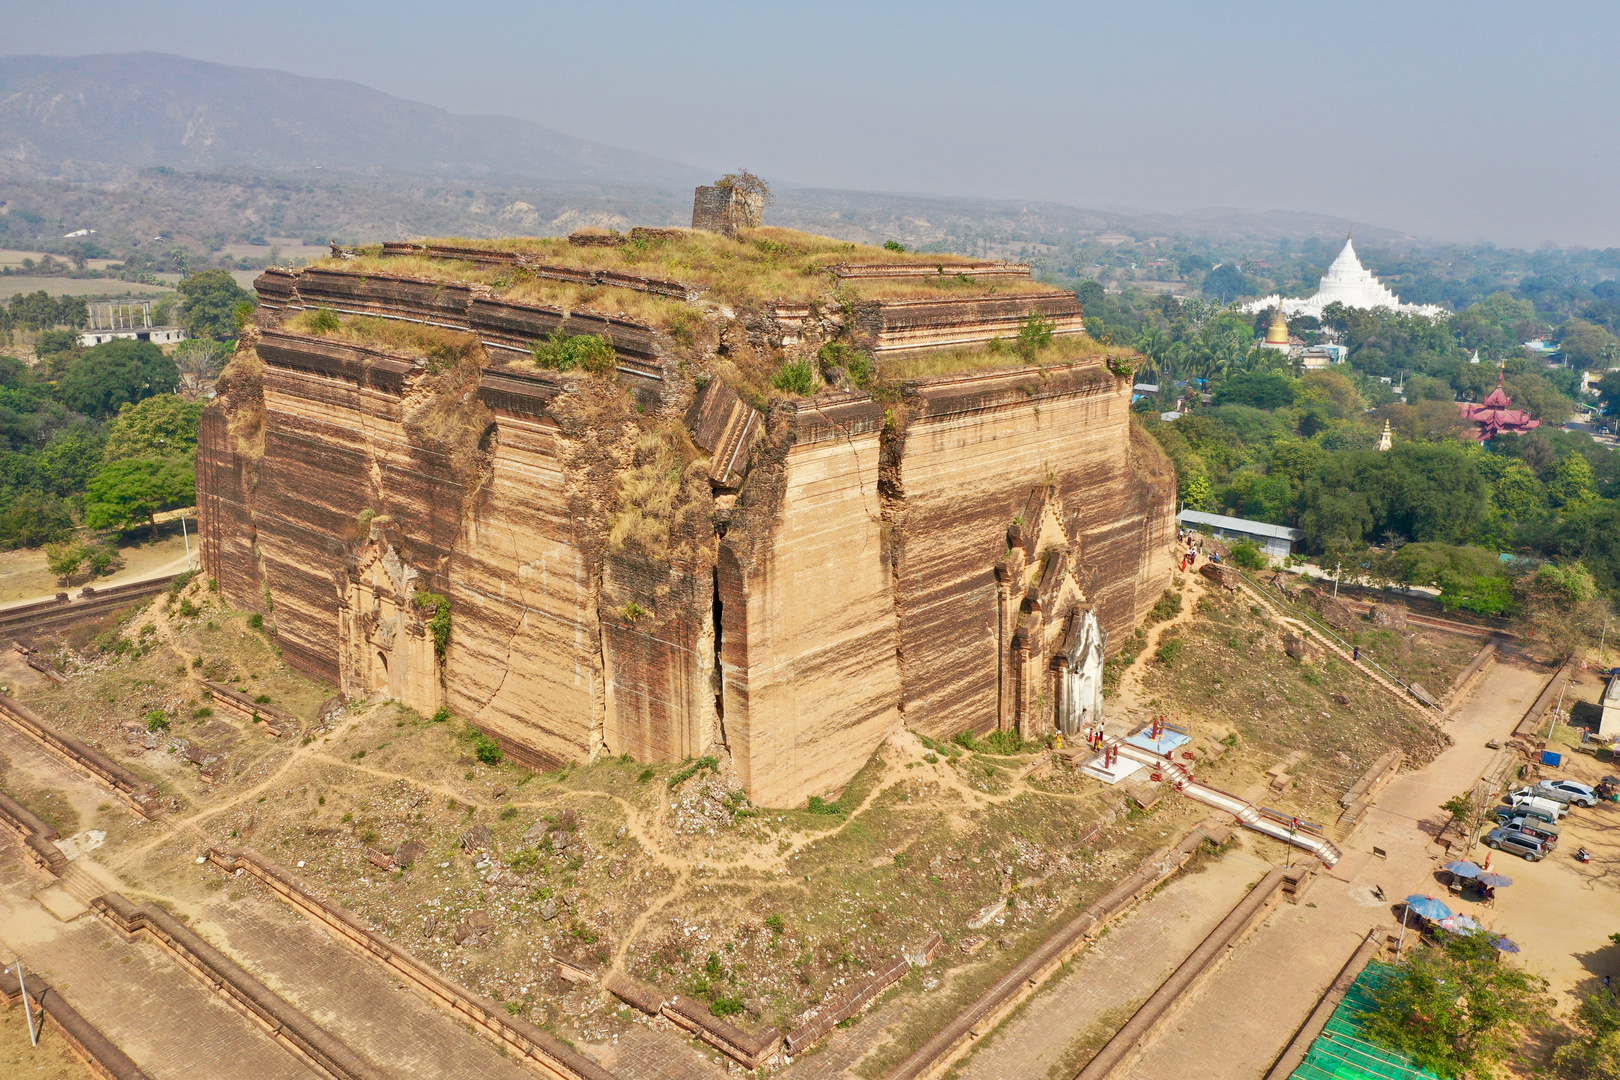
[1340, 1053]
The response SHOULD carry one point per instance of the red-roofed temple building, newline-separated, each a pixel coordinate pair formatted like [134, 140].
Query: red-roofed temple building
[1496, 415]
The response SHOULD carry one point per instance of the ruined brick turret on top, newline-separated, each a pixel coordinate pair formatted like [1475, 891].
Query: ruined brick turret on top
[771, 495]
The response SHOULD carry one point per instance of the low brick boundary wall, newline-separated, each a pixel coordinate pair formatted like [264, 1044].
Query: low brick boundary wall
[286, 1025]
[91, 604]
[83, 1038]
[1476, 668]
[539, 1048]
[136, 793]
[38, 838]
[1530, 726]
[1130, 1038]
[749, 1051]
[829, 1015]
[1358, 800]
[277, 722]
[1294, 1053]
[978, 1019]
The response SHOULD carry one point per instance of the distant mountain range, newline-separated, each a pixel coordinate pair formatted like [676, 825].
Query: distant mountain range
[90, 117]
[144, 144]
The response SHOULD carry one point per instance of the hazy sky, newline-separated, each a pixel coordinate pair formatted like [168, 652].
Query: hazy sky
[1467, 121]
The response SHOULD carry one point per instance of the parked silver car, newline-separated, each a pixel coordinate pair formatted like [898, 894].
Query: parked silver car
[1566, 791]
[1526, 847]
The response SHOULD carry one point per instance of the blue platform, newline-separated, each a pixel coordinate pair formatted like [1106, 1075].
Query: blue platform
[1170, 740]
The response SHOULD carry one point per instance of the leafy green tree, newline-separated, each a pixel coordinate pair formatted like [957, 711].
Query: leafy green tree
[1595, 1051]
[1608, 389]
[1572, 481]
[1428, 564]
[209, 300]
[1334, 391]
[125, 493]
[65, 466]
[1588, 345]
[1516, 494]
[1196, 493]
[1559, 607]
[108, 375]
[1458, 1009]
[1534, 394]
[1247, 554]
[33, 518]
[1260, 390]
[161, 426]
[1226, 283]
[51, 342]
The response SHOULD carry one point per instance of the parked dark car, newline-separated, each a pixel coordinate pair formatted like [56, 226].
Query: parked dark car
[1526, 847]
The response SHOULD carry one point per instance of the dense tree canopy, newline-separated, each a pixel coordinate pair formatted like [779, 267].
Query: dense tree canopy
[128, 492]
[210, 300]
[109, 375]
[160, 426]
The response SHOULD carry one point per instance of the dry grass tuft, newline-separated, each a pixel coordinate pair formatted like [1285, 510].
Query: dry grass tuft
[650, 491]
[241, 388]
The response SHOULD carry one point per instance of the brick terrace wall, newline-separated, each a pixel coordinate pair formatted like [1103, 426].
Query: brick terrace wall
[980, 1018]
[286, 1025]
[136, 793]
[83, 1038]
[536, 1047]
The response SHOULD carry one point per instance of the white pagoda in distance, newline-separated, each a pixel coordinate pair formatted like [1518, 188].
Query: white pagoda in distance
[1346, 282]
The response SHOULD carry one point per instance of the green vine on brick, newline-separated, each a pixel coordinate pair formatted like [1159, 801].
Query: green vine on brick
[439, 624]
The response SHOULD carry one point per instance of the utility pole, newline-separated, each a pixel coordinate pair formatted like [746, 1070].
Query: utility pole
[28, 1010]
[1336, 569]
[186, 538]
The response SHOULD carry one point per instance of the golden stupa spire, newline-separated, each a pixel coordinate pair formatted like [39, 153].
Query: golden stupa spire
[1278, 334]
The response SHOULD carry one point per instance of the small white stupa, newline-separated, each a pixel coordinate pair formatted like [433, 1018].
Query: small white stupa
[1349, 283]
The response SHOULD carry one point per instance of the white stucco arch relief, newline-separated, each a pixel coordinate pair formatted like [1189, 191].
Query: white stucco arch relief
[385, 647]
[1047, 659]
[1079, 668]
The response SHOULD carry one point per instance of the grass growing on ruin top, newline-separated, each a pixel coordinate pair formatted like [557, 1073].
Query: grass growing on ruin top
[762, 265]
[439, 346]
[996, 355]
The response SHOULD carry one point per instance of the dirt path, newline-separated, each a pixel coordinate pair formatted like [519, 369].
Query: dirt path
[1129, 695]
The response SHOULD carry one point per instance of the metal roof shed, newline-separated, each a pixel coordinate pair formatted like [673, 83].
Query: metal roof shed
[1277, 541]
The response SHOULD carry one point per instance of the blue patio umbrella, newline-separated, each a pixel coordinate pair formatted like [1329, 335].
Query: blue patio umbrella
[1495, 881]
[1463, 869]
[1505, 945]
[1427, 907]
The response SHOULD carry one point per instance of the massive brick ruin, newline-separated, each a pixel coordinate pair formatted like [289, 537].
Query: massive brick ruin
[671, 558]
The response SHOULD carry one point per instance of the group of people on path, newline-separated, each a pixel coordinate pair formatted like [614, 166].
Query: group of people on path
[1193, 549]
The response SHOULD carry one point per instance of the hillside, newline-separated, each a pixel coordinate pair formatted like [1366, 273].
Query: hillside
[99, 116]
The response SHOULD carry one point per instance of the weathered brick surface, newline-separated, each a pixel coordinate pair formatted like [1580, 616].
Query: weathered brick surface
[828, 574]
[165, 1020]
